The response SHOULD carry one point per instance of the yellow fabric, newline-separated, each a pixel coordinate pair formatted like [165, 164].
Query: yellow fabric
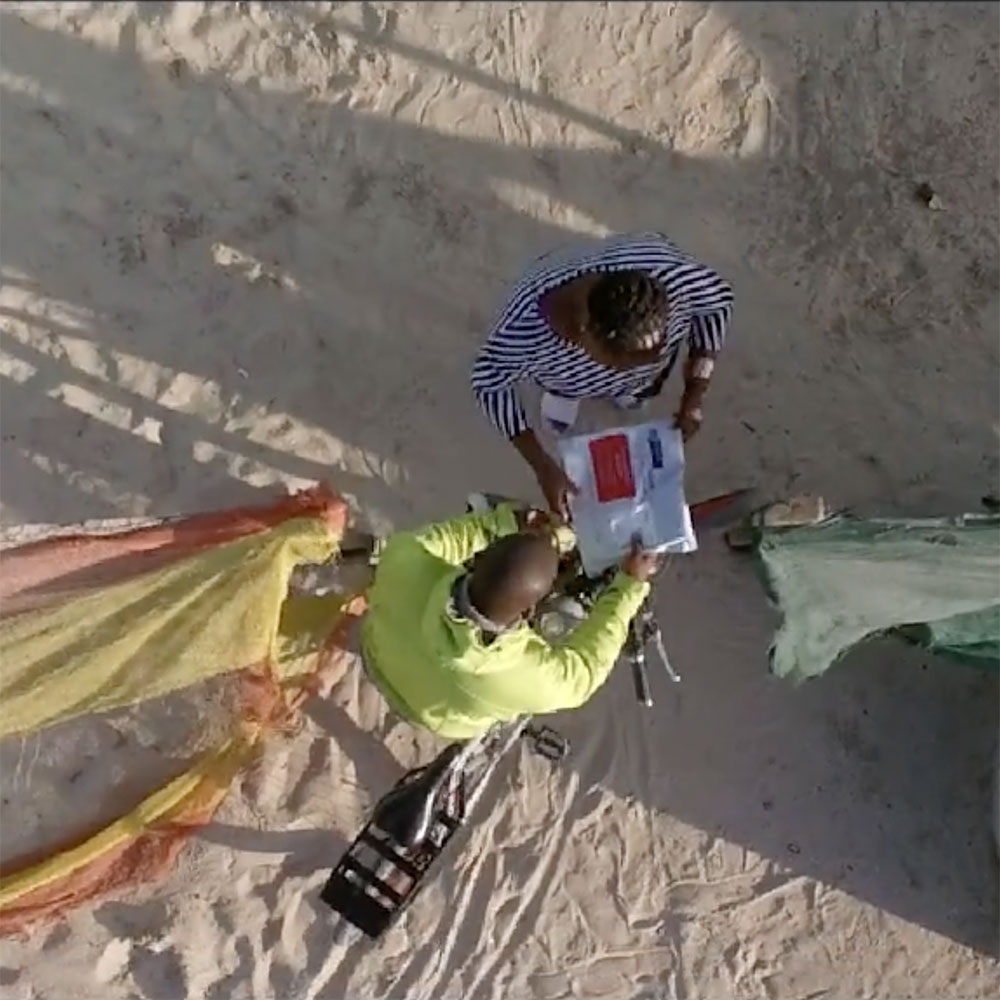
[304, 628]
[210, 613]
[213, 772]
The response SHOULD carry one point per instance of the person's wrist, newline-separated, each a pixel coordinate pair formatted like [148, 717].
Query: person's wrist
[691, 402]
[529, 517]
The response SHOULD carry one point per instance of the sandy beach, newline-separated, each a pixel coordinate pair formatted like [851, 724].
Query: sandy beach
[248, 246]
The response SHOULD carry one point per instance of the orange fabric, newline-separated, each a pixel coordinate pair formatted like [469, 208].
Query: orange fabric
[145, 858]
[39, 573]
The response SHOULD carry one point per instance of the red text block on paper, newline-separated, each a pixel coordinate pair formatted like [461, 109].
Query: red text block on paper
[612, 464]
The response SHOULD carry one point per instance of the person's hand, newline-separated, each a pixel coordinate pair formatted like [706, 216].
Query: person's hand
[533, 519]
[640, 564]
[688, 420]
[556, 487]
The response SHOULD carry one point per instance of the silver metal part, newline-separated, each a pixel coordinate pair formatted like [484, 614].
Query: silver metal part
[661, 651]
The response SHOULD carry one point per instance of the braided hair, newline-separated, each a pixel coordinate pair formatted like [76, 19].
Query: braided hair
[628, 311]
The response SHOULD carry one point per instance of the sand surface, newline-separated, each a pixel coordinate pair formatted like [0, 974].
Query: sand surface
[249, 244]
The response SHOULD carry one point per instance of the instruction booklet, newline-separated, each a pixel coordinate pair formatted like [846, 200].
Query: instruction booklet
[631, 483]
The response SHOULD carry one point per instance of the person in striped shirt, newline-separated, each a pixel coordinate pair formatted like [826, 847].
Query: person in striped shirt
[603, 322]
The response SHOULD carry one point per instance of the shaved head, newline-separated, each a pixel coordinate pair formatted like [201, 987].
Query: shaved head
[511, 576]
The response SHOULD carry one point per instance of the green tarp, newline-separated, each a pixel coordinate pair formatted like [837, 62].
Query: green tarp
[934, 582]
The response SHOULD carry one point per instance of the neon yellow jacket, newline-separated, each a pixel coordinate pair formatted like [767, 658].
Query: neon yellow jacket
[432, 665]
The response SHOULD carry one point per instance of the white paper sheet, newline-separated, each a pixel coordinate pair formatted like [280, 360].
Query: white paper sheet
[631, 482]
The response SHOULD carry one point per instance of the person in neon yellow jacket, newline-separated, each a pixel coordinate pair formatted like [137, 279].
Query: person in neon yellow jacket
[446, 637]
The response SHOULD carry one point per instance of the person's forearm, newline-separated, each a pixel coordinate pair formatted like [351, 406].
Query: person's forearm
[576, 667]
[531, 450]
[459, 539]
[698, 370]
[600, 637]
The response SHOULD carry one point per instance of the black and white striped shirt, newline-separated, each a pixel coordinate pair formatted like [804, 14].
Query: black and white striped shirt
[522, 346]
